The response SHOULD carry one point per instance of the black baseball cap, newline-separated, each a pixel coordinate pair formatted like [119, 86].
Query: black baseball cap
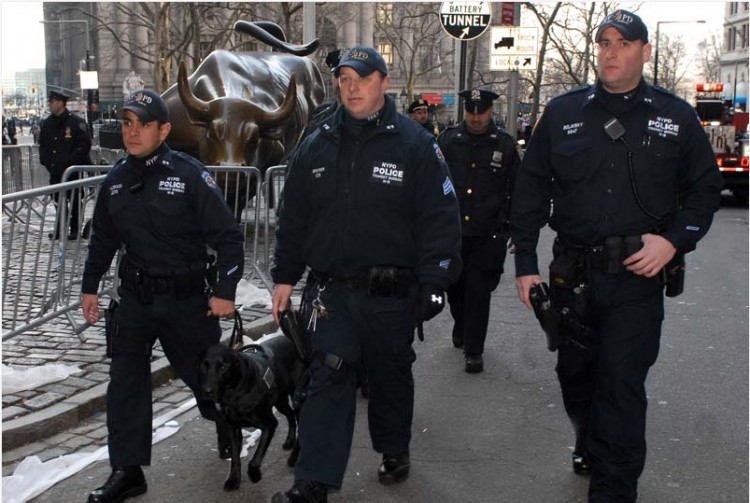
[364, 60]
[629, 25]
[58, 95]
[148, 105]
[478, 100]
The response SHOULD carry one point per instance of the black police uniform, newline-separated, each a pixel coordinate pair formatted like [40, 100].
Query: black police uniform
[483, 168]
[63, 142]
[364, 193]
[573, 162]
[165, 210]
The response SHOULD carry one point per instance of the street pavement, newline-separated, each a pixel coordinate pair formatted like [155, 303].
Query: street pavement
[497, 436]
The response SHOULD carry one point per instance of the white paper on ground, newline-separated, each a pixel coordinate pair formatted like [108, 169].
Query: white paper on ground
[15, 380]
[250, 295]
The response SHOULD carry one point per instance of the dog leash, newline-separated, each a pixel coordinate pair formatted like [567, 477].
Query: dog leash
[235, 340]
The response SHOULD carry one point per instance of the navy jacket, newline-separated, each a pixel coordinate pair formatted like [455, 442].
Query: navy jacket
[164, 209]
[393, 204]
[483, 168]
[573, 166]
[63, 142]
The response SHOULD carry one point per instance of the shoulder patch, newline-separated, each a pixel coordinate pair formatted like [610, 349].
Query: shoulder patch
[208, 179]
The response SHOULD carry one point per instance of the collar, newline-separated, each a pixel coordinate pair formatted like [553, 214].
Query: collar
[645, 94]
[162, 156]
[388, 122]
[492, 133]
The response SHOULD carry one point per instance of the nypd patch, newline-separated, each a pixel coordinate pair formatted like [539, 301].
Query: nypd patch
[208, 179]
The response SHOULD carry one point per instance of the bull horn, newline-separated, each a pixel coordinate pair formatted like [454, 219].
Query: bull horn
[282, 113]
[263, 33]
[195, 106]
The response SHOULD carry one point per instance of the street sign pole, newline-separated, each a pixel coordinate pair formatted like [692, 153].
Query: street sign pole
[464, 21]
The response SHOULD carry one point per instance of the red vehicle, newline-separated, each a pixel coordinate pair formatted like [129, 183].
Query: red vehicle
[727, 131]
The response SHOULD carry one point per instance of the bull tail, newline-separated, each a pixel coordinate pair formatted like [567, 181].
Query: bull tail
[271, 34]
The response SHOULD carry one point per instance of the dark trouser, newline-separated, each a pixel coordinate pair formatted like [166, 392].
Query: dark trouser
[184, 331]
[603, 387]
[73, 205]
[470, 296]
[375, 332]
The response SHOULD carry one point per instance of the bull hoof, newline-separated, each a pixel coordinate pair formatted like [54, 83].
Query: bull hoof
[254, 473]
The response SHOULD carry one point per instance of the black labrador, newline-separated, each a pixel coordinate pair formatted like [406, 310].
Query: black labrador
[245, 386]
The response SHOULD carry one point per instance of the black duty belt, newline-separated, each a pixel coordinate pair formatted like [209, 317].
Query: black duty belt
[376, 281]
[184, 283]
[606, 257]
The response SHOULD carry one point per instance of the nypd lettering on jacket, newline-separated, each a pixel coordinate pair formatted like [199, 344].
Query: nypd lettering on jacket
[387, 173]
[663, 126]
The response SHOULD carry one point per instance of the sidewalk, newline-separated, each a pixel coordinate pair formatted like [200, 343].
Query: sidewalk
[34, 420]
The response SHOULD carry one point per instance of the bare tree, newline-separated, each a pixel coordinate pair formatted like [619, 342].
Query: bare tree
[414, 31]
[710, 59]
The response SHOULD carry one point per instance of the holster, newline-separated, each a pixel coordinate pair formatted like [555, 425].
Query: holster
[673, 275]
[291, 326]
[110, 325]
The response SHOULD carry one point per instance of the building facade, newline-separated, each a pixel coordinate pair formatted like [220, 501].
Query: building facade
[734, 57]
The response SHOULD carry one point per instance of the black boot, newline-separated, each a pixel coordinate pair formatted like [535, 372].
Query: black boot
[124, 482]
[581, 463]
[394, 468]
[474, 364]
[303, 491]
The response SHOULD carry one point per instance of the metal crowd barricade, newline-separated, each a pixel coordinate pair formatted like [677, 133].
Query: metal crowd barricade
[42, 276]
[274, 185]
[22, 169]
[39, 273]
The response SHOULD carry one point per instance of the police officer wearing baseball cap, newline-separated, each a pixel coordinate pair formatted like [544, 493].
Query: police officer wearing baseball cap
[483, 161]
[165, 208]
[64, 141]
[377, 225]
[632, 183]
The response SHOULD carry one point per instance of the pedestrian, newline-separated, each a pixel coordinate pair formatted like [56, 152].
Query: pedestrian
[165, 208]
[483, 161]
[419, 111]
[64, 141]
[633, 184]
[368, 205]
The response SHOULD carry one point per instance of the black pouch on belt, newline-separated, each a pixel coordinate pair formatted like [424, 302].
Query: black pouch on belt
[110, 325]
[564, 271]
[673, 275]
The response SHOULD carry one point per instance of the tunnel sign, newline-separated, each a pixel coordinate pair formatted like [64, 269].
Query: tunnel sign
[465, 20]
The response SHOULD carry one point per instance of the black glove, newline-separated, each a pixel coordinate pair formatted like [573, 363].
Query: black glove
[430, 301]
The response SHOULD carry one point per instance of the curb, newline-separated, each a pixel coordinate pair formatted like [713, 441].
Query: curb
[68, 413]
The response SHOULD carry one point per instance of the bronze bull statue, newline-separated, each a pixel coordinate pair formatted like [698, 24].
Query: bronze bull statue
[245, 108]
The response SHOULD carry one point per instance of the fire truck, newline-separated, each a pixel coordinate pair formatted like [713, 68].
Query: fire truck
[727, 131]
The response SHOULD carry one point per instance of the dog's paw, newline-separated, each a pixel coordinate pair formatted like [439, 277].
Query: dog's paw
[254, 473]
[232, 484]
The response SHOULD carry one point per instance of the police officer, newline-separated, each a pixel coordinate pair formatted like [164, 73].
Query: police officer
[369, 206]
[419, 111]
[327, 109]
[483, 161]
[634, 184]
[165, 209]
[64, 141]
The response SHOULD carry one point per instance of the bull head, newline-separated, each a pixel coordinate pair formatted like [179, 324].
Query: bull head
[236, 128]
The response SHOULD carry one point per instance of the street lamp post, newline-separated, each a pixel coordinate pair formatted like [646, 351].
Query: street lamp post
[89, 92]
[656, 48]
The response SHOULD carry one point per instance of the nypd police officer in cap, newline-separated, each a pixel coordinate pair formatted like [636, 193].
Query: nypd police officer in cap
[483, 161]
[369, 207]
[166, 210]
[419, 111]
[633, 184]
[64, 141]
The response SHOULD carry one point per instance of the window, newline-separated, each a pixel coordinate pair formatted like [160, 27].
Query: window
[386, 50]
[385, 13]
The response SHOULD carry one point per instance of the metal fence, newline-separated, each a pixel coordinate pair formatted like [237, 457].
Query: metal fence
[42, 274]
[22, 169]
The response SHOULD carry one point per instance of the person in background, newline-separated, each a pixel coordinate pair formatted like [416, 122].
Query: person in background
[64, 141]
[419, 111]
[165, 208]
[625, 175]
[483, 162]
[368, 206]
